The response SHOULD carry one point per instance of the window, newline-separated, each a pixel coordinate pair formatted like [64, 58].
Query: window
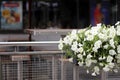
[63, 14]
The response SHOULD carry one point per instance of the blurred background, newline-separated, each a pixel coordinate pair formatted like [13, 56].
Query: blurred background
[67, 14]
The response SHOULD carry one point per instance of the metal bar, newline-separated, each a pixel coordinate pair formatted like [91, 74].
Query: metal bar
[54, 71]
[0, 69]
[53, 68]
[19, 70]
[32, 43]
[75, 73]
[7, 72]
[103, 75]
[62, 69]
[31, 52]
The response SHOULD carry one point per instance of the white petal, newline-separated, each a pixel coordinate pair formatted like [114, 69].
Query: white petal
[93, 74]
[70, 59]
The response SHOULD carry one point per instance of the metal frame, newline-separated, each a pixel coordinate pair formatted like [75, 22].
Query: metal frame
[75, 69]
[32, 43]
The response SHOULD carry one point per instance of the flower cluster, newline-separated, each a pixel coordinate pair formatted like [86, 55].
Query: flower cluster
[95, 48]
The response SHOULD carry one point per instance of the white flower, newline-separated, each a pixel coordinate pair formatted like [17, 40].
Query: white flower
[118, 27]
[105, 31]
[118, 30]
[94, 61]
[70, 59]
[101, 64]
[118, 56]
[80, 56]
[96, 69]
[74, 46]
[118, 48]
[100, 58]
[106, 68]
[60, 46]
[98, 44]
[112, 52]
[115, 70]
[111, 65]
[111, 42]
[93, 74]
[112, 32]
[67, 40]
[94, 30]
[87, 33]
[89, 56]
[90, 37]
[109, 59]
[80, 63]
[87, 71]
[99, 25]
[74, 35]
[85, 39]
[80, 49]
[118, 22]
[88, 62]
[105, 46]
[118, 61]
[79, 31]
[73, 32]
[80, 45]
[84, 53]
[104, 57]
[102, 36]
[104, 50]
[95, 49]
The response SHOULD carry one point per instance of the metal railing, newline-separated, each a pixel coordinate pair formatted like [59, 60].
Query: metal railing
[32, 43]
[41, 65]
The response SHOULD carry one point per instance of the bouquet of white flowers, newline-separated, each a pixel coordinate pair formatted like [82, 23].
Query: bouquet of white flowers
[95, 48]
